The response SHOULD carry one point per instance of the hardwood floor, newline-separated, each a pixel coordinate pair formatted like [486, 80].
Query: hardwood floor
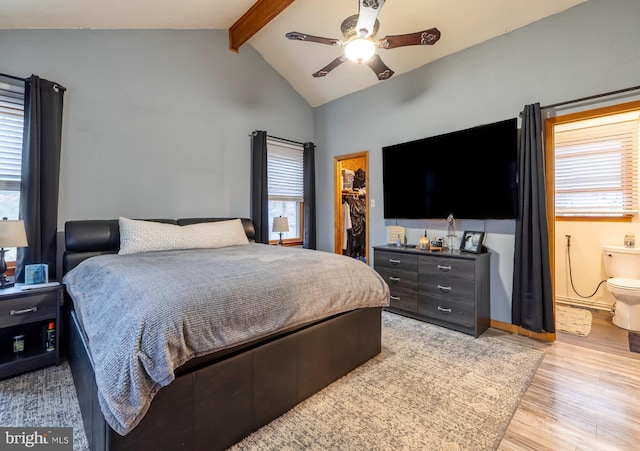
[584, 396]
[604, 336]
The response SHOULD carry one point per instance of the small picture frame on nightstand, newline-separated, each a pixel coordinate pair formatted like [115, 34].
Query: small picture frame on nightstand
[35, 274]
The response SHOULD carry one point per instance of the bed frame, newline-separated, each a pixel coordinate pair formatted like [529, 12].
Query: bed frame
[217, 400]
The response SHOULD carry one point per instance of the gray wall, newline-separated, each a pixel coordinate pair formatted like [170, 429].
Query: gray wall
[156, 123]
[589, 49]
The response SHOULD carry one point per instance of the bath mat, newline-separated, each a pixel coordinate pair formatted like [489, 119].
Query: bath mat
[634, 341]
[575, 321]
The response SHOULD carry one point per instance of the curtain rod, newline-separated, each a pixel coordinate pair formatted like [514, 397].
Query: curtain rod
[281, 139]
[12, 76]
[285, 140]
[606, 94]
[56, 86]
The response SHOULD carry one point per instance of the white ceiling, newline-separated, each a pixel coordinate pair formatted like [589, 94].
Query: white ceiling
[463, 23]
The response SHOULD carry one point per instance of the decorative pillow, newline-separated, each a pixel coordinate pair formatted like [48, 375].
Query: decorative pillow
[146, 236]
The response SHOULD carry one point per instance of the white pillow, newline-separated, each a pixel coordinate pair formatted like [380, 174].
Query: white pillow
[146, 236]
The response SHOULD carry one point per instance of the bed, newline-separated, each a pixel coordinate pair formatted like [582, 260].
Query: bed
[236, 375]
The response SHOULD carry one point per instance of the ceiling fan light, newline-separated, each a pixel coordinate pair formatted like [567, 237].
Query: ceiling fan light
[360, 50]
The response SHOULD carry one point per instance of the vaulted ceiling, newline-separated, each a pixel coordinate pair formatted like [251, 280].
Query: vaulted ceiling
[463, 23]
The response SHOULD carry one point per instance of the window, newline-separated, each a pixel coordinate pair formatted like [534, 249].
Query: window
[596, 166]
[11, 129]
[286, 190]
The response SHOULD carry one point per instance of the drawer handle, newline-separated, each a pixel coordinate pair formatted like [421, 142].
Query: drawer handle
[444, 268]
[394, 279]
[394, 262]
[23, 311]
[395, 298]
[445, 310]
[445, 289]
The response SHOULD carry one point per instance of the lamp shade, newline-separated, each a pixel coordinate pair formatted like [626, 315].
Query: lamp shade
[12, 233]
[280, 224]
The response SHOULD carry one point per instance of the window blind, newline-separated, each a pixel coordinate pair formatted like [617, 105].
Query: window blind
[11, 128]
[285, 171]
[596, 171]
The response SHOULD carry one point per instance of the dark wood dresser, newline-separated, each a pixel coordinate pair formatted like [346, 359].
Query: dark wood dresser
[450, 290]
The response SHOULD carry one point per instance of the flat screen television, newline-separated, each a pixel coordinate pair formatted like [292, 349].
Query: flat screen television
[471, 173]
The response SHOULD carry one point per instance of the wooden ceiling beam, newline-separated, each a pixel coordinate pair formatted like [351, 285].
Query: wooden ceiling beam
[256, 17]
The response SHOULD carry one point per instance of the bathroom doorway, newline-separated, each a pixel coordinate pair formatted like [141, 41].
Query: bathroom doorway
[585, 216]
[351, 207]
[594, 207]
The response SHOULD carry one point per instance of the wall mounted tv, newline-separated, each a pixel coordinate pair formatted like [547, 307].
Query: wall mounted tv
[471, 173]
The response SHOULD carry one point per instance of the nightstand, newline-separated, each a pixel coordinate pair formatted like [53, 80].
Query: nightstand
[29, 328]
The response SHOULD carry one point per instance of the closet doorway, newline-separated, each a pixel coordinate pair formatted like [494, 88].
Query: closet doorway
[351, 206]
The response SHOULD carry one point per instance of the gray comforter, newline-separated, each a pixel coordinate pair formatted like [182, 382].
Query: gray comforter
[146, 314]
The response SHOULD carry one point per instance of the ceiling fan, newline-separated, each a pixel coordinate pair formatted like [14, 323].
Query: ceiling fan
[359, 42]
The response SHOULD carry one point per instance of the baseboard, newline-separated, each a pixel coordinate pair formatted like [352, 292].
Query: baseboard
[518, 330]
[592, 305]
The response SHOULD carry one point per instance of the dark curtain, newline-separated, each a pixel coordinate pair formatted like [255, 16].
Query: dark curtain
[40, 173]
[532, 303]
[259, 187]
[309, 239]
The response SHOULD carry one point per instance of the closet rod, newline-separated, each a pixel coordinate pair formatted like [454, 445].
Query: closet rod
[606, 94]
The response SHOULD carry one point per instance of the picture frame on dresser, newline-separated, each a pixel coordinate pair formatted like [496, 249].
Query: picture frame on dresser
[472, 241]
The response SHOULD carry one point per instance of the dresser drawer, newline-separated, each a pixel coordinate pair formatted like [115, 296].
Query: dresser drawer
[29, 308]
[449, 267]
[396, 260]
[449, 310]
[404, 299]
[396, 278]
[448, 288]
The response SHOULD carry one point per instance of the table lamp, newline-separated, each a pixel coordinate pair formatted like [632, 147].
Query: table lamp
[12, 234]
[280, 225]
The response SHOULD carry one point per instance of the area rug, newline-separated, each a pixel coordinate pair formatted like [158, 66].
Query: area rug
[572, 320]
[43, 398]
[431, 388]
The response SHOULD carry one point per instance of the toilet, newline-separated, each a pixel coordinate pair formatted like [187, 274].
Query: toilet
[622, 265]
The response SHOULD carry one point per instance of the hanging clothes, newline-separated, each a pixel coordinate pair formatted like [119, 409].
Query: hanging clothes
[359, 179]
[346, 225]
[357, 233]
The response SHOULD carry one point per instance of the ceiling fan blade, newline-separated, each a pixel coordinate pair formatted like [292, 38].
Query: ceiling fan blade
[426, 37]
[381, 69]
[367, 15]
[295, 36]
[329, 67]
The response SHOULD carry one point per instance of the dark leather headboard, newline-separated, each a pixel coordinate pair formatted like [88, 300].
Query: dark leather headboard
[88, 238]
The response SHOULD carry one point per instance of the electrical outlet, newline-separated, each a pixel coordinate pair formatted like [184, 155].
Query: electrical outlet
[373, 203]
